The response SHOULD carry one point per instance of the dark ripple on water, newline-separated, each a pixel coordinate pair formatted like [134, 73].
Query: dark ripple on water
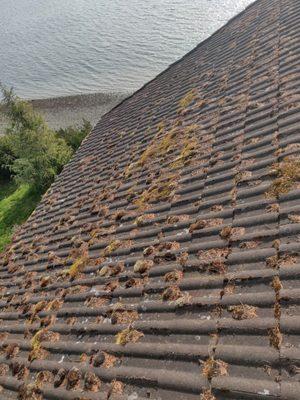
[54, 48]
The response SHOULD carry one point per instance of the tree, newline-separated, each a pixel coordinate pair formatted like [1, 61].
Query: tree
[74, 136]
[34, 153]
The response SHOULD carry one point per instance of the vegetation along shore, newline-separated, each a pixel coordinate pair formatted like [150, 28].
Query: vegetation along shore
[37, 138]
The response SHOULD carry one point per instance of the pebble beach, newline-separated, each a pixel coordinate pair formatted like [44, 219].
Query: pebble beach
[61, 112]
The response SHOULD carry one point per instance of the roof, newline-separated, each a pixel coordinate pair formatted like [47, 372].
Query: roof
[163, 263]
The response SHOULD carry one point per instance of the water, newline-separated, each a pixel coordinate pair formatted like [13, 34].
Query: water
[54, 48]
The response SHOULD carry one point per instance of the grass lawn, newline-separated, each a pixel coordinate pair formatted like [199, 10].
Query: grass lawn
[16, 204]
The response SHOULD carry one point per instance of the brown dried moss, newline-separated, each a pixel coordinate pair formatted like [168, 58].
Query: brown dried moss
[71, 320]
[226, 232]
[272, 262]
[124, 316]
[230, 233]
[237, 233]
[134, 282]
[228, 289]
[288, 175]
[117, 269]
[217, 208]
[173, 276]
[142, 266]
[4, 369]
[11, 350]
[212, 368]
[44, 335]
[212, 254]
[243, 176]
[97, 359]
[38, 307]
[275, 337]
[277, 310]
[83, 358]
[142, 219]
[174, 219]
[30, 391]
[111, 286]
[171, 293]
[45, 281]
[54, 305]
[287, 260]
[168, 246]
[109, 360]
[207, 395]
[118, 215]
[243, 311]
[19, 370]
[116, 388]
[91, 382]
[199, 224]
[104, 271]
[148, 251]
[205, 223]
[182, 258]
[164, 256]
[294, 218]
[251, 244]
[60, 378]
[73, 379]
[217, 267]
[272, 208]
[112, 270]
[43, 377]
[276, 284]
[37, 353]
[128, 335]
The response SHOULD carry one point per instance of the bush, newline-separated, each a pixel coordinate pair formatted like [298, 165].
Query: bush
[6, 158]
[31, 154]
[74, 136]
[30, 150]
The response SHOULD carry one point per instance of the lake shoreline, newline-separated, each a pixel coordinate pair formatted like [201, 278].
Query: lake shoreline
[60, 112]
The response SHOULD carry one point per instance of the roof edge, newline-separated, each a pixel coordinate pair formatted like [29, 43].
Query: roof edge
[180, 59]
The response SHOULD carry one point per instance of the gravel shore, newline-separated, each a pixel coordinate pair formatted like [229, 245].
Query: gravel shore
[61, 112]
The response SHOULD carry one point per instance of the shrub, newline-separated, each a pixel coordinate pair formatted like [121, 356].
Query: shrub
[74, 136]
[6, 158]
[32, 151]
[31, 154]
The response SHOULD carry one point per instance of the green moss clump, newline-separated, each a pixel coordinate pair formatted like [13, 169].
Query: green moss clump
[77, 267]
[158, 191]
[187, 152]
[128, 335]
[188, 98]
[114, 245]
[159, 147]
